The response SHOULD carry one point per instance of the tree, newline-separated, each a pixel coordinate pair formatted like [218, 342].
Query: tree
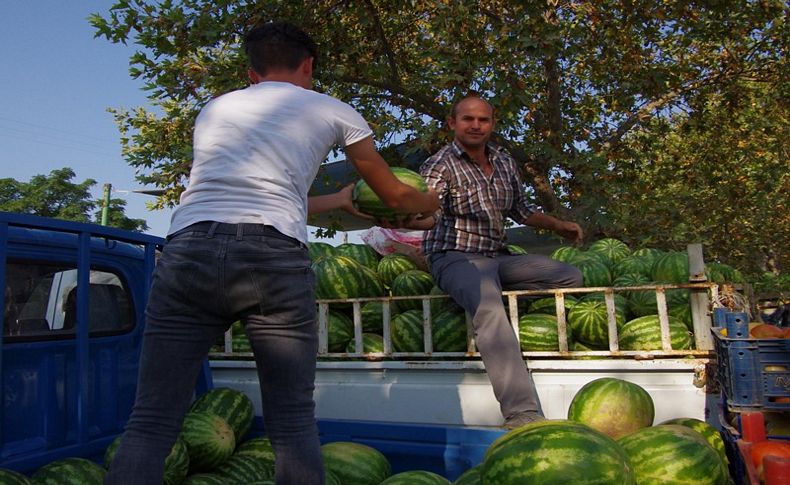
[571, 81]
[55, 196]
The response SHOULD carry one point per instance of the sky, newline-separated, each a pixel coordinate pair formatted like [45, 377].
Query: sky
[56, 83]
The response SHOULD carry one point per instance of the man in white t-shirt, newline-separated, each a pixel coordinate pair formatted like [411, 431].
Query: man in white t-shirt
[237, 251]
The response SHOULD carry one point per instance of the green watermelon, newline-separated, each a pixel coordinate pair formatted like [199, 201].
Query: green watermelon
[548, 305]
[329, 478]
[672, 454]
[372, 283]
[620, 301]
[339, 277]
[241, 343]
[391, 265]
[723, 273]
[649, 253]
[614, 407]
[438, 305]
[176, 463]
[367, 202]
[318, 249]
[413, 282]
[644, 333]
[371, 343]
[340, 331]
[470, 477]
[361, 253]
[711, 434]
[633, 265]
[614, 250]
[10, 477]
[372, 315]
[594, 273]
[407, 332]
[566, 254]
[232, 405]
[630, 279]
[209, 439]
[672, 268]
[641, 303]
[683, 314]
[244, 468]
[70, 471]
[448, 331]
[260, 448]
[538, 331]
[205, 479]
[356, 463]
[515, 249]
[416, 477]
[556, 452]
[589, 324]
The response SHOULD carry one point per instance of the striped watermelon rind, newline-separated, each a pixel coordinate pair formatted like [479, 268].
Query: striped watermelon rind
[413, 282]
[70, 471]
[589, 323]
[556, 451]
[407, 331]
[391, 265]
[371, 343]
[416, 477]
[612, 406]
[470, 477]
[613, 249]
[232, 405]
[367, 202]
[361, 253]
[209, 438]
[244, 469]
[595, 273]
[318, 249]
[340, 331]
[712, 435]
[260, 447]
[339, 277]
[205, 479]
[644, 333]
[672, 268]
[11, 477]
[673, 454]
[356, 463]
[448, 331]
[538, 332]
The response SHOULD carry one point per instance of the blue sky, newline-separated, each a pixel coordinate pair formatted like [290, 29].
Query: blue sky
[56, 83]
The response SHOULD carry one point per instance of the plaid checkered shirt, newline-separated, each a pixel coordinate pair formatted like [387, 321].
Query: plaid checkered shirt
[473, 207]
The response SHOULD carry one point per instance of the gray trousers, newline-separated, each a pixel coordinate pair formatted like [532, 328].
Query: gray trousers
[204, 281]
[476, 282]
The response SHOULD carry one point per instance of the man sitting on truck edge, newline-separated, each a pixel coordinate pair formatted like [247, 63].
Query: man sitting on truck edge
[479, 187]
[237, 251]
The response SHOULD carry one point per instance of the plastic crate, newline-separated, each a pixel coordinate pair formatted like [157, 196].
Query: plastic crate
[754, 374]
[738, 446]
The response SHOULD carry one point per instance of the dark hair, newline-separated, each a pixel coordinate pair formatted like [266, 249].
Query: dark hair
[278, 45]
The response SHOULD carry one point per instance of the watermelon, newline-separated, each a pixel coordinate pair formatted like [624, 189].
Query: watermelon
[672, 454]
[209, 439]
[439, 305]
[614, 407]
[372, 315]
[470, 477]
[407, 332]
[648, 253]
[367, 202]
[355, 463]
[260, 448]
[176, 463]
[556, 452]
[620, 301]
[594, 273]
[371, 342]
[711, 434]
[232, 405]
[644, 333]
[241, 343]
[723, 273]
[612, 249]
[416, 477]
[329, 478]
[413, 282]
[515, 249]
[318, 249]
[448, 331]
[70, 471]
[589, 324]
[566, 254]
[340, 331]
[339, 277]
[391, 265]
[641, 303]
[672, 268]
[633, 265]
[361, 253]
[630, 279]
[548, 305]
[372, 284]
[244, 468]
[682, 313]
[538, 331]
[10, 477]
[205, 479]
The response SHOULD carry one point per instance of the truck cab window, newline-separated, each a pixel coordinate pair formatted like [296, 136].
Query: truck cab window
[41, 302]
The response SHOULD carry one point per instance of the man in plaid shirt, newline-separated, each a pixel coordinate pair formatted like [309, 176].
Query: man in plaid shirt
[479, 187]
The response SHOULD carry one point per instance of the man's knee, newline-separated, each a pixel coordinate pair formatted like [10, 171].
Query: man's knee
[573, 277]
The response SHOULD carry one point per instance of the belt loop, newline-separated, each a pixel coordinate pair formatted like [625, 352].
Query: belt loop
[239, 231]
[211, 230]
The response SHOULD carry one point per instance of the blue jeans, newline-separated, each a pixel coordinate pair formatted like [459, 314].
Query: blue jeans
[475, 281]
[207, 278]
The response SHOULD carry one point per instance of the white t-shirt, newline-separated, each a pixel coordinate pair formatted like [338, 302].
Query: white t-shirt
[256, 153]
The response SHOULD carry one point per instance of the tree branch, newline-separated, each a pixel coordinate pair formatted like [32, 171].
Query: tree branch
[389, 54]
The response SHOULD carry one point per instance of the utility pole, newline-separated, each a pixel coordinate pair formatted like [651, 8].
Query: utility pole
[105, 209]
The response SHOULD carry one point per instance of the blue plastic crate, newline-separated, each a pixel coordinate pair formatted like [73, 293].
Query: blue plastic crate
[754, 374]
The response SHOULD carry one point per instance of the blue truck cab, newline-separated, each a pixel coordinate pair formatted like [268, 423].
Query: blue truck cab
[72, 324]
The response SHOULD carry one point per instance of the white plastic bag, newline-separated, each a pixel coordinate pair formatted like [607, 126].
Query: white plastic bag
[387, 241]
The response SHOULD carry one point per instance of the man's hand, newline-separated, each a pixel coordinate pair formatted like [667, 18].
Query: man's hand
[417, 222]
[570, 231]
[339, 200]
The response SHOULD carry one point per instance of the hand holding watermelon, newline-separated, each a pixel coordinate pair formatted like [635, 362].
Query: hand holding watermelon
[367, 202]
